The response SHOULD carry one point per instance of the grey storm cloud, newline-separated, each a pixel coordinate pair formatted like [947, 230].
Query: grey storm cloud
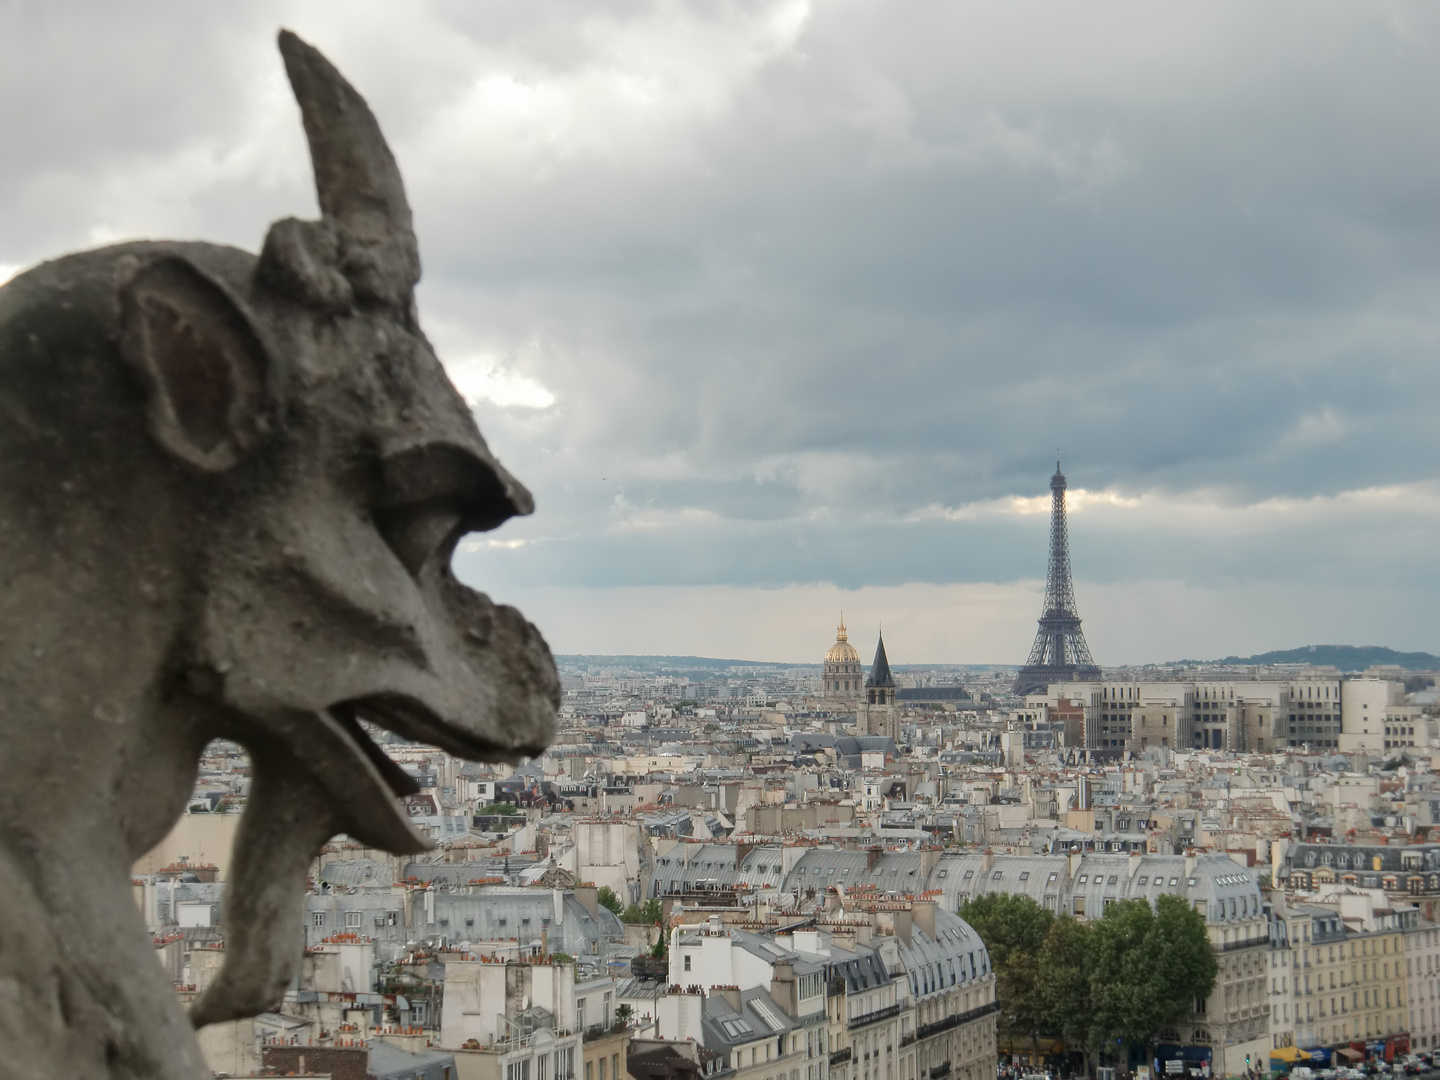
[757, 293]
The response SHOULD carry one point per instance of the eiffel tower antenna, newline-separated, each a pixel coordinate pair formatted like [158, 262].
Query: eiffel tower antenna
[1059, 653]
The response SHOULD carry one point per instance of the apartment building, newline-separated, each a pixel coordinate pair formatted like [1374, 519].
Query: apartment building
[1422, 982]
[1374, 951]
[1309, 976]
[511, 1020]
[1238, 716]
[883, 988]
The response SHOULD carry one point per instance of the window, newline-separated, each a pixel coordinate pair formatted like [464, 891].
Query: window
[1024, 875]
[996, 875]
[1144, 880]
[687, 968]
[1113, 879]
[602, 1068]
[352, 919]
[1173, 881]
[1084, 878]
[317, 918]
[968, 874]
[942, 872]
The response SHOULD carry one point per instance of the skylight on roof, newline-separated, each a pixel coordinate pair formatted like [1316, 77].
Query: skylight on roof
[767, 1013]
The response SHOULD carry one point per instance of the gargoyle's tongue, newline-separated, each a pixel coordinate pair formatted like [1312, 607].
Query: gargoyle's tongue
[293, 810]
[287, 820]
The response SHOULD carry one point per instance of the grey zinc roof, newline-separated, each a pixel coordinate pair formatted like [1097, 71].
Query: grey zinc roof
[759, 1018]
[391, 1063]
[893, 871]
[687, 866]
[953, 956]
[356, 872]
[1362, 857]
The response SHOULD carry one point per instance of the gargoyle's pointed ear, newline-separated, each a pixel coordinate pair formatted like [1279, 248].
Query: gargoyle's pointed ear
[205, 370]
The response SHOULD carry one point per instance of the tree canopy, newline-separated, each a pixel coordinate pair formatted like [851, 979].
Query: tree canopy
[1014, 929]
[1123, 976]
[607, 898]
[648, 912]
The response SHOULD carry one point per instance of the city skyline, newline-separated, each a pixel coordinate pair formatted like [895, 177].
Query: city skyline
[782, 309]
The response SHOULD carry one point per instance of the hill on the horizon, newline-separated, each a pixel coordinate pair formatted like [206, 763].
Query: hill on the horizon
[1344, 657]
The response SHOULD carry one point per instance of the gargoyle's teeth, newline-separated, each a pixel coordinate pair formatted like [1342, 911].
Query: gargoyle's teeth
[396, 778]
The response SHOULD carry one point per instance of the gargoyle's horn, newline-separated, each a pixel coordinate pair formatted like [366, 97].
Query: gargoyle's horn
[361, 194]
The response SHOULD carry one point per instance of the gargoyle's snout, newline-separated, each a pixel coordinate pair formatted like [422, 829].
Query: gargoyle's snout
[494, 699]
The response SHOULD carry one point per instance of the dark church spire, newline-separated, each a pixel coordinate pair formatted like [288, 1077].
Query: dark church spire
[880, 669]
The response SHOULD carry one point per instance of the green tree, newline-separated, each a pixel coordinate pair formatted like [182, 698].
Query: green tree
[608, 899]
[1184, 965]
[1063, 983]
[648, 912]
[1014, 930]
[1146, 968]
[561, 958]
[501, 808]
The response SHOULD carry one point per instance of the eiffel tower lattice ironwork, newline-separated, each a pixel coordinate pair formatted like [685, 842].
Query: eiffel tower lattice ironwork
[1059, 653]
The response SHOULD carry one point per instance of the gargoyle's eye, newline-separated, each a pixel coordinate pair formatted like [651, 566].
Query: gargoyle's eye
[420, 532]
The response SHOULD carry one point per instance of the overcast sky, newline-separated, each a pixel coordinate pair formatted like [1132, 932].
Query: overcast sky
[782, 307]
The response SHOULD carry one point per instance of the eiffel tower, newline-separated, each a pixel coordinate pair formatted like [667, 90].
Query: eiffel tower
[1059, 653]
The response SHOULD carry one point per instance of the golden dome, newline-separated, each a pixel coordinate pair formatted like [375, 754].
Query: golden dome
[842, 652]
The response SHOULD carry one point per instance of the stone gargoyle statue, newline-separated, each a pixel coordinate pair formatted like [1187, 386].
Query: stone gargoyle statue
[230, 489]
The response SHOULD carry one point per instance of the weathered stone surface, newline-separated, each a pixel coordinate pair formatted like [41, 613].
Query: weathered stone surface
[230, 488]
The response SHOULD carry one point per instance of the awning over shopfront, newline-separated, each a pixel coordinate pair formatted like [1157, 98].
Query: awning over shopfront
[1350, 1055]
[1291, 1053]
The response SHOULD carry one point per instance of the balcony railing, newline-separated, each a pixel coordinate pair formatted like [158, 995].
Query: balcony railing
[602, 1031]
[889, 1012]
[1253, 943]
[939, 1026]
[840, 1057]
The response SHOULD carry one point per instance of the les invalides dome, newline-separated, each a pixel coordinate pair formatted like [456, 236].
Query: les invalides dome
[843, 677]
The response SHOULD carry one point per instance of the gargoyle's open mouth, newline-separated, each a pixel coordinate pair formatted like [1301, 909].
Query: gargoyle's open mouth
[410, 720]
